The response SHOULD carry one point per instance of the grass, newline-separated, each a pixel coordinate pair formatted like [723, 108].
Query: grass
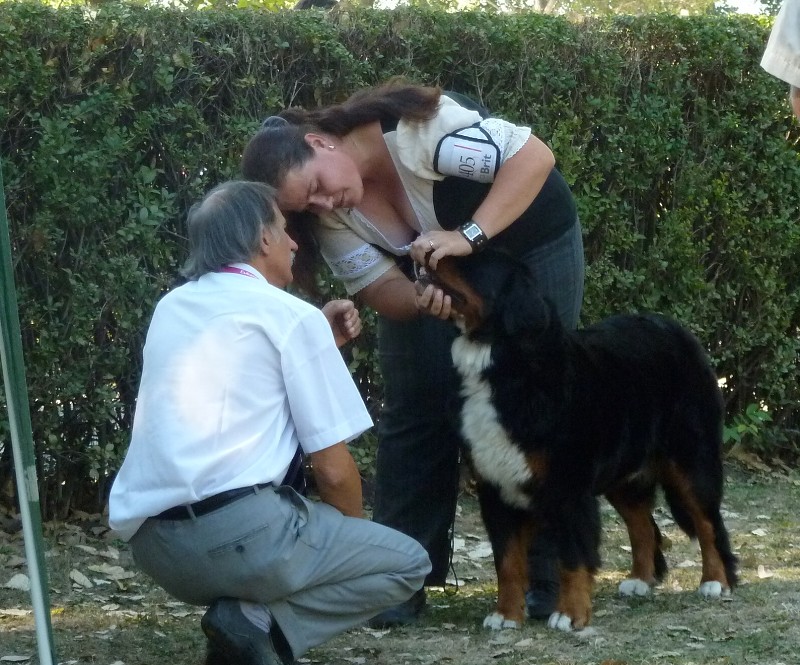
[126, 620]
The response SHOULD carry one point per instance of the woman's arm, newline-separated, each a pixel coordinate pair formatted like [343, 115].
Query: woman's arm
[519, 180]
[394, 296]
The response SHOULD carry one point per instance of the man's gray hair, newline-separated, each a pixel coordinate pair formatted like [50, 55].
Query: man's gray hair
[226, 225]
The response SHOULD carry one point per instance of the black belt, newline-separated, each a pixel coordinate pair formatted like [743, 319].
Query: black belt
[210, 504]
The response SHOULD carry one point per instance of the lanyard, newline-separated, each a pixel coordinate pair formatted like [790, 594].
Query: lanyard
[237, 271]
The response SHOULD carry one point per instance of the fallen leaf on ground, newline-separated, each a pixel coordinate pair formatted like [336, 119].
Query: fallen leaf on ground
[747, 458]
[87, 548]
[688, 563]
[112, 572]
[482, 551]
[20, 582]
[80, 579]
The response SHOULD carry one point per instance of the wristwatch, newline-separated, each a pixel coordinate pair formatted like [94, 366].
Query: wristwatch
[473, 233]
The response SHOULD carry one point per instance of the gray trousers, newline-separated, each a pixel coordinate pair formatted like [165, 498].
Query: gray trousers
[319, 573]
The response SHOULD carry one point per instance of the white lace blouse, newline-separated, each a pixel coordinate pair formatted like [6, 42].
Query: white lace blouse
[354, 247]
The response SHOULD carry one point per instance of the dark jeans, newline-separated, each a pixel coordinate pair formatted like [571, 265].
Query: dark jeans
[418, 451]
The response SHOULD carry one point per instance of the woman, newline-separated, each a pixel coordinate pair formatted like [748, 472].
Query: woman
[400, 171]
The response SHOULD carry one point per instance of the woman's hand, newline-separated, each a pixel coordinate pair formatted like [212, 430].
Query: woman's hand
[344, 319]
[433, 301]
[438, 244]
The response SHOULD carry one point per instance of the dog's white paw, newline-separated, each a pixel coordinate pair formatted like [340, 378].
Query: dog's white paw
[713, 590]
[634, 587]
[497, 621]
[559, 621]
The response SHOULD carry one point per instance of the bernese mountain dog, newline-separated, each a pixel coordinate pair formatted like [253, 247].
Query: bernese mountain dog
[554, 418]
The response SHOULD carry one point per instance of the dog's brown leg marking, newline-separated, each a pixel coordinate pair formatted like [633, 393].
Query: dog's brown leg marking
[713, 567]
[575, 596]
[512, 577]
[640, 532]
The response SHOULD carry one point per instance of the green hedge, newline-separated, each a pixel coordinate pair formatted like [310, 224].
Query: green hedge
[682, 153]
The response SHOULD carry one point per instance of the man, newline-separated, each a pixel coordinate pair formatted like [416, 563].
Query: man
[782, 55]
[240, 378]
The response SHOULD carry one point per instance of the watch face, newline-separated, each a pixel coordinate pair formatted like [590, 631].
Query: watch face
[472, 232]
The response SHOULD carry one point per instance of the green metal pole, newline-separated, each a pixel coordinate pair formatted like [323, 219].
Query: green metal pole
[16, 393]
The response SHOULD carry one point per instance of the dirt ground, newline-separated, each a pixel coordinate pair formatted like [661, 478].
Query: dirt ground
[104, 611]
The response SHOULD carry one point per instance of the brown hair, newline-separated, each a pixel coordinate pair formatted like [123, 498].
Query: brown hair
[280, 146]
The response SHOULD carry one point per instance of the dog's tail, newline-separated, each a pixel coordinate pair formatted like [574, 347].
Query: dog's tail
[679, 512]
[721, 538]
[723, 544]
[659, 562]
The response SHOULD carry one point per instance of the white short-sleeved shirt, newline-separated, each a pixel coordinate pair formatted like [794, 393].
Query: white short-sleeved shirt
[357, 251]
[236, 373]
[782, 55]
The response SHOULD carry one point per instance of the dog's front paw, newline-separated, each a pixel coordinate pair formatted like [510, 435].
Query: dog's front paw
[713, 590]
[497, 621]
[560, 621]
[634, 587]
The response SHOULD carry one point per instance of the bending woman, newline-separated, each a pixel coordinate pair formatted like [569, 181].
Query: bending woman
[392, 173]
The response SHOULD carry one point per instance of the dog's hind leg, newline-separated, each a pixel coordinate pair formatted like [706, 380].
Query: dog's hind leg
[510, 531]
[692, 476]
[698, 501]
[648, 566]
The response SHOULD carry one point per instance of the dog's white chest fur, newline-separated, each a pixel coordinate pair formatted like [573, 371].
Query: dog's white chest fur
[496, 457]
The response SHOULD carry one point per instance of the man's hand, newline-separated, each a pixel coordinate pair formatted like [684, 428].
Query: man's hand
[344, 319]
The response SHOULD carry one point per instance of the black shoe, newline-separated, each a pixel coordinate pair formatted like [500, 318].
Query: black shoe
[541, 600]
[233, 636]
[402, 615]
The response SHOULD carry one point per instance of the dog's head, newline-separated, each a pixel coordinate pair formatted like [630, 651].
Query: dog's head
[492, 293]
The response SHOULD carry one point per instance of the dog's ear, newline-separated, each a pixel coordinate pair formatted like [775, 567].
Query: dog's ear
[524, 310]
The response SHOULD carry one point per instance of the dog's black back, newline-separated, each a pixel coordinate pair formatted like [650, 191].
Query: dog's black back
[642, 382]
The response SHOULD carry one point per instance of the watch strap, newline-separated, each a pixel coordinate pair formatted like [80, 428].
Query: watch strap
[473, 234]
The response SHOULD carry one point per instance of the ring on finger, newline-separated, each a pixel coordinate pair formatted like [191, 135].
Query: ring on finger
[432, 246]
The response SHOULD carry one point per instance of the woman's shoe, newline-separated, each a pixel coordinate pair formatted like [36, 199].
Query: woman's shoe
[541, 599]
